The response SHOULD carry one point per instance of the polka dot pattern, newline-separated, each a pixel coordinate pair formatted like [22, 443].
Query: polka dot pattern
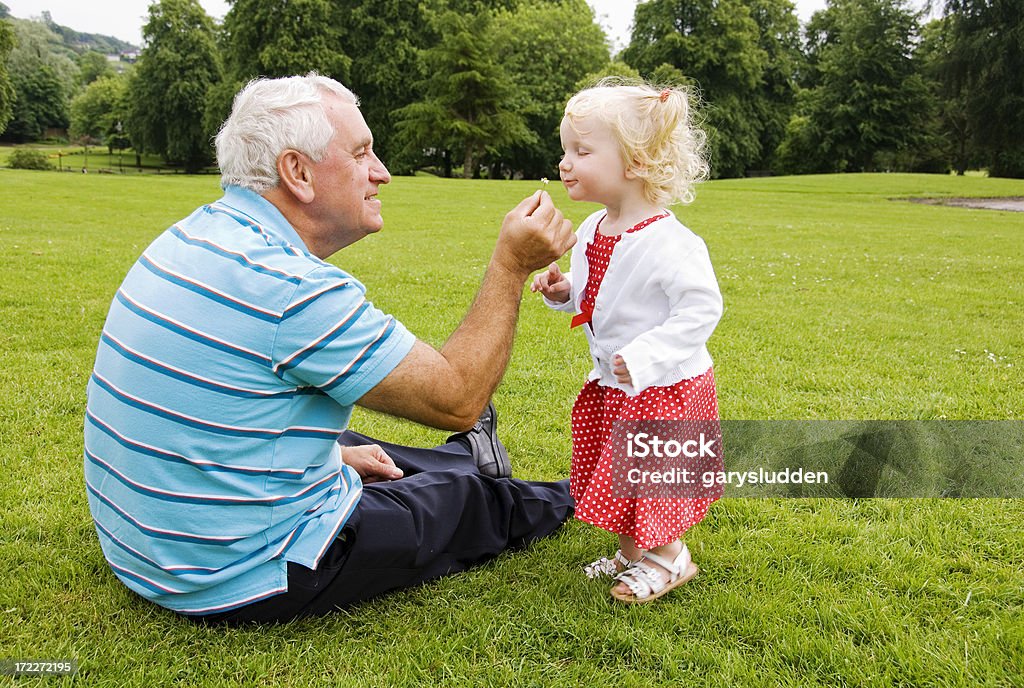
[650, 522]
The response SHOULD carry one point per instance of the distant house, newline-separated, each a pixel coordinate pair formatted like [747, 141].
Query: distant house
[129, 56]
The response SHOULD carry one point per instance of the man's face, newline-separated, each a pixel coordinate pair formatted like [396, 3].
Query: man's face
[346, 181]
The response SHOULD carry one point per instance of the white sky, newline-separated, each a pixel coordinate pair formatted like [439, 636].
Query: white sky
[124, 18]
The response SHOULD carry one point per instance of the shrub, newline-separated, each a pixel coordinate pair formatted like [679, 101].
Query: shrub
[29, 159]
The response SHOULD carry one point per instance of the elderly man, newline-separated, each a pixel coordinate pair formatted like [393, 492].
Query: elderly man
[218, 474]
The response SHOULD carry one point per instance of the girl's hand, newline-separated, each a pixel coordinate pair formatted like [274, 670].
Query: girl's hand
[552, 284]
[620, 370]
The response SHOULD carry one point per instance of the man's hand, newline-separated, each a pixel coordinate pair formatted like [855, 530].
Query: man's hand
[620, 371]
[552, 284]
[371, 463]
[533, 235]
[448, 389]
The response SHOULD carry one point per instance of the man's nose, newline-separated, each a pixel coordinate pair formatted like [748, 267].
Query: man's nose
[379, 172]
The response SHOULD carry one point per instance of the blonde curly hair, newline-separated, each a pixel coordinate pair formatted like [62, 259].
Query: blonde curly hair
[656, 131]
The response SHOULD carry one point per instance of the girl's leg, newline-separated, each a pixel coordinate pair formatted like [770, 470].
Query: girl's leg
[629, 548]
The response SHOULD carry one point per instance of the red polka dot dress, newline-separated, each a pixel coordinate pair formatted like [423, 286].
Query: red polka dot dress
[596, 459]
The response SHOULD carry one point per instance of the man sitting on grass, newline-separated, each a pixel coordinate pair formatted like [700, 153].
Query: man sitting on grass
[220, 477]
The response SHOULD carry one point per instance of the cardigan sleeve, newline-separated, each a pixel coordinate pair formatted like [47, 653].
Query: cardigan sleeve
[695, 307]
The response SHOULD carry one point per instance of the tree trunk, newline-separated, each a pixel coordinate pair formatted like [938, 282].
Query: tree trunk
[469, 162]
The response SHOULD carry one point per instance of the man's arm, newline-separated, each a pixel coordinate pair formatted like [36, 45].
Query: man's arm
[449, 388]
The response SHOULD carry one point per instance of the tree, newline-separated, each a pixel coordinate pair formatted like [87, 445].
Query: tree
[867, 100]
[779, 38]
[7, 92]
[547, 48]
[92, 66]
[167, 92]
[741, 68]
[97, 111]
[386, 80]
[618, 69]
[985, 65]
[43, 80]
[942, 72]
[468, 104]
[276, 38]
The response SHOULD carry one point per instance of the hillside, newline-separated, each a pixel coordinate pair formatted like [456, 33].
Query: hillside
[76, 41]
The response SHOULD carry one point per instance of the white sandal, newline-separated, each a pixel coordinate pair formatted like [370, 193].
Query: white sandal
[647, 584]
[608, 567]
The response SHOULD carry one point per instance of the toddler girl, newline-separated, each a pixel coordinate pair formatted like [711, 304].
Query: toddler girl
[644, 292]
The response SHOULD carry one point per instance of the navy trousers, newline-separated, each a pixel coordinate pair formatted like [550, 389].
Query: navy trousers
[441, 518]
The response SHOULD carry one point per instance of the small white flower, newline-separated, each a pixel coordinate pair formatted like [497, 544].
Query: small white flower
[544, 181]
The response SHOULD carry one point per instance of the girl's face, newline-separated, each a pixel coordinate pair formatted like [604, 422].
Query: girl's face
[592, 168]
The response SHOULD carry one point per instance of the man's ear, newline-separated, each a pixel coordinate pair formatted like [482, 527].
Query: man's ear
[296, 175]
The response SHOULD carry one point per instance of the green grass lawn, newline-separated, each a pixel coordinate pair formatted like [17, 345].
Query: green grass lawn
[842, 302]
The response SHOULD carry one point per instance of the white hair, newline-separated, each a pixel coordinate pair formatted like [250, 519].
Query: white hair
[270, 116]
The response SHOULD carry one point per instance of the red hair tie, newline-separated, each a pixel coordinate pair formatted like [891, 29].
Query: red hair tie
[664, 95]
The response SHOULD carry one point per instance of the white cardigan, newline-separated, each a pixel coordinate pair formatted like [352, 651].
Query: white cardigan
[658, 304]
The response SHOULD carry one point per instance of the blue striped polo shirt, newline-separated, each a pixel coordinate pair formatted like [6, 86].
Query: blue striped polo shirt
[227, 368]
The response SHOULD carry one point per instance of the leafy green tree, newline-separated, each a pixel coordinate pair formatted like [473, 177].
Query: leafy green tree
[99, 109]
[469, 99]
[547, 48]
[43, 78]
[168, 90]
[385, 39]
[984, 66]
[41, 104]
[780, 40]
[92, 66]
[939, 68]
[275, 38]
[7, 92]
[741, 68]
[868, 101]
[623, 70]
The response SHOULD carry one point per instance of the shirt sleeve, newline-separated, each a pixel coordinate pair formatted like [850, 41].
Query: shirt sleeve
[695, 307]
[331, 337]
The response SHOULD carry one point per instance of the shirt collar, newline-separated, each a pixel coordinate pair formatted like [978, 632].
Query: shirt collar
[264, 213]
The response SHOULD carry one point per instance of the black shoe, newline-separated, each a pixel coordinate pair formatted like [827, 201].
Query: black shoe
[487, 450]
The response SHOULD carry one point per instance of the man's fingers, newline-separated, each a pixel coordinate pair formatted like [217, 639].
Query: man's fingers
[565, 238]
[544, 210]
[528, 205]
[388, 468]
